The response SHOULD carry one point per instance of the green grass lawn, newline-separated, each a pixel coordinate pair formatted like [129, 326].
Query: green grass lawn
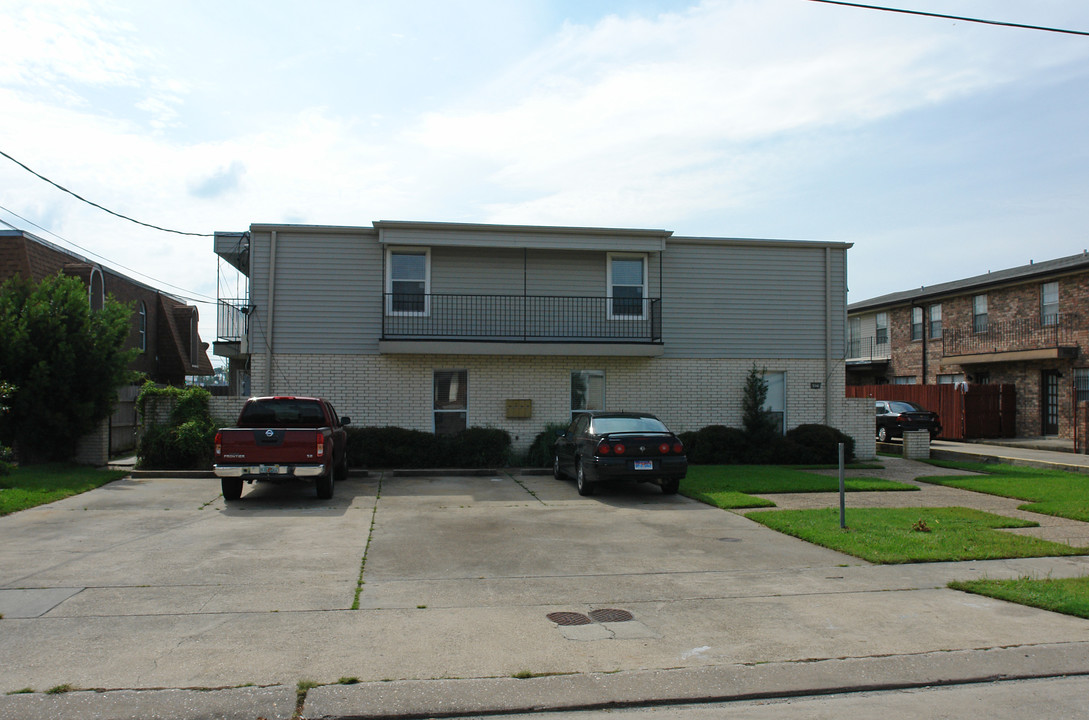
[32, 485]
[1065, 595]
[1050, 492]
[733, 486]
[907, 535]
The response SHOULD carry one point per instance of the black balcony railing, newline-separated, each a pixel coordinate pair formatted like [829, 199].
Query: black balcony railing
[231, 319]
[1038, 333]
[521, 318]
[868, 349]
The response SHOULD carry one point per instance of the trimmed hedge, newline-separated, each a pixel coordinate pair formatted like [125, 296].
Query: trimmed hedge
[803, 445]
[395, 447]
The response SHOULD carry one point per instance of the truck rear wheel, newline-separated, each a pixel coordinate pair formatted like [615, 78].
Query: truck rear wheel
[232, 488]
[325, 486]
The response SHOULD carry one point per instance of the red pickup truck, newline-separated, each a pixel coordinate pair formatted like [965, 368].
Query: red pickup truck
[280, 439]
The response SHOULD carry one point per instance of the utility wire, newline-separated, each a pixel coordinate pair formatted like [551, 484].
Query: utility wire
[206, 301]
[94, 204]
[953, 17]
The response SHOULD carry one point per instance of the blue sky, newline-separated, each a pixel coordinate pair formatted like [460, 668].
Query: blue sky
[941, 149]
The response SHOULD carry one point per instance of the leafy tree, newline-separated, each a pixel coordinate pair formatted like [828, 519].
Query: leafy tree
[65, 361]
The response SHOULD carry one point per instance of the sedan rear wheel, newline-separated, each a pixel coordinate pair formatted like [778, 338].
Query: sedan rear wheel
[584, 485]
[882, 434]
[556, 472]
[670, 487]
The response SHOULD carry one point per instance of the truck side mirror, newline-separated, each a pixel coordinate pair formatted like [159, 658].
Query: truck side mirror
[345, 421]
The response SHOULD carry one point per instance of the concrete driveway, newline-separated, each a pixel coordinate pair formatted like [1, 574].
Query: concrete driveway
[156, 583]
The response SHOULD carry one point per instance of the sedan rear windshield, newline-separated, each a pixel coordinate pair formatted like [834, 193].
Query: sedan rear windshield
[606, 425]
[905, 407]
[282, 413]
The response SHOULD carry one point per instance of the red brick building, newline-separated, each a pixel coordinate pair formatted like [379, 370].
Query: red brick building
[164, 328]
[1025, 326]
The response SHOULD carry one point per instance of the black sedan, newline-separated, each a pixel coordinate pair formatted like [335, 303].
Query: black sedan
[599, 446]
[896, 416]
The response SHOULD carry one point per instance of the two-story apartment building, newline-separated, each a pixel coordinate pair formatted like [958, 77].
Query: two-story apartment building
[441, 326]
[1024, 326]
[163, 328]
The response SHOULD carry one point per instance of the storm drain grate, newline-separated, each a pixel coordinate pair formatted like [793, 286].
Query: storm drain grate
[567, 619]
[609, 615]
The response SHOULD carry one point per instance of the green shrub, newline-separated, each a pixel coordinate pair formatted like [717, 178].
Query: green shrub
[716, 445]
[394, 447]
[539, 453]
[186, 441]
[817, 445]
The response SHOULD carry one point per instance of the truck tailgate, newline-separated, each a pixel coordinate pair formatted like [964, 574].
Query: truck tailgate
[270, 446]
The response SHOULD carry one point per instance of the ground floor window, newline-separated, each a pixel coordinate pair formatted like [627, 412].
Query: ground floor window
[951, 379]
[451, 401]
[776, 400]
[587, 390]
[1081, 383]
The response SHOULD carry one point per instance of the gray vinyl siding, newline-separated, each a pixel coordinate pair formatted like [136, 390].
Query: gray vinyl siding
[720, 299]
[761, 300]
[328, 292]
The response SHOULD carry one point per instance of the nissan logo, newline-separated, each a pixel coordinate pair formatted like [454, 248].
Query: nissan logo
[270, 432]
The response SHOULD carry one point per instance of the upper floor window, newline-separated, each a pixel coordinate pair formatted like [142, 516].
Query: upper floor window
[627, 283]
[979, 314]
[916, 323]
[408, 281]
[936, 322]
[97, 292]
[143, 326]
[1049, 303]
[881, 335]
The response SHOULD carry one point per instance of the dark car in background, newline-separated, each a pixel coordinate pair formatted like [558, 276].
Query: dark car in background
[896, 416]
[600, 446]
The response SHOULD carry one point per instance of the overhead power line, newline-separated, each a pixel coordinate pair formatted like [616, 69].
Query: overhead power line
[190, 296]
[953, 17]
[94, 204]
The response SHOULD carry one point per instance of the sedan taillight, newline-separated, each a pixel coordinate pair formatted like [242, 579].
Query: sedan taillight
[603, 448]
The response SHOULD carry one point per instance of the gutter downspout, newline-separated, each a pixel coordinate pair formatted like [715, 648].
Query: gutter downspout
[270, 313]
[827, 335]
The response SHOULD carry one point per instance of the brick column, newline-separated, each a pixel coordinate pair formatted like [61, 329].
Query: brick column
[917, 444]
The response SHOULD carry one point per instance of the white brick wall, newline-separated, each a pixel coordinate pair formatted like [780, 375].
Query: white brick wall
[686, 393]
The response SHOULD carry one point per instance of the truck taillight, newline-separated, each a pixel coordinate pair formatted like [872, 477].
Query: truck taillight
[219, 443]
[321, 444]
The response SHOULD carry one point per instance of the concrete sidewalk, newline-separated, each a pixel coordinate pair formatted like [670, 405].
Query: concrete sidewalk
[153, 598]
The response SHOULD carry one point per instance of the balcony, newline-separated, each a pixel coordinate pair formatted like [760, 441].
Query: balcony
[1050, 337]
[232, 323]
[867, 351]
[521, 324]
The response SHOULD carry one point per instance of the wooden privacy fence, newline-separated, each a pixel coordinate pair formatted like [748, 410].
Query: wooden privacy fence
[983, 411]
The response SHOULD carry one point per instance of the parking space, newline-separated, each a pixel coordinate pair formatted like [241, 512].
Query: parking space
[159, 583]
